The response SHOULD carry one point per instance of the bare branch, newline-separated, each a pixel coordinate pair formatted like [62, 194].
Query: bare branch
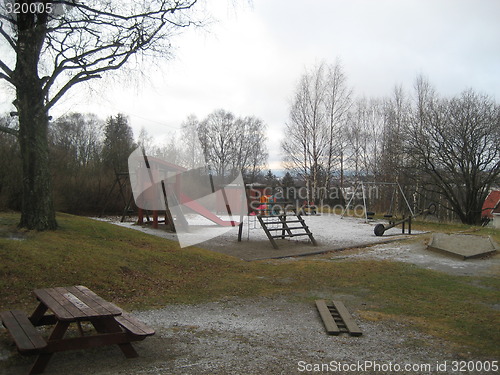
[7, 130]
[8, 73]
[67, 86]
[7, 37]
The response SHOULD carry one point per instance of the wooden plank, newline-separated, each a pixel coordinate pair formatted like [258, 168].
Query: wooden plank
[60, 297]
[71, 302]
[133, 325]
[75, 303]
[99, 304]
[330, 325]
[291, 228]
[268, 234]
[25, 335]
[347, 318]
[53, 304]
[290, 235]
[306, 228]
[38, 314]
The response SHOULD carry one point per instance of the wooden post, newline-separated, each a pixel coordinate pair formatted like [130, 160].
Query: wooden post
[155, 219]
[140, 218]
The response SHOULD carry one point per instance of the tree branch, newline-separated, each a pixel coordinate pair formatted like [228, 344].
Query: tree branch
[7, 71]
[5, 129]
[7, 78]
[161, 11]
[67, 86]
[8, 19]
[7, 37]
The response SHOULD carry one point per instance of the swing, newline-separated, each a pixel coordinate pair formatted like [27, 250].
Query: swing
[389, 214]
[368, 214]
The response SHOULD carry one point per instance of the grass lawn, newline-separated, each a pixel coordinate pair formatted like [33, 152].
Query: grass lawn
[139, 271]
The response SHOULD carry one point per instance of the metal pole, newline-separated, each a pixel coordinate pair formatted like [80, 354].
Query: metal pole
[364, 201]
[406, 200]
[350, 200]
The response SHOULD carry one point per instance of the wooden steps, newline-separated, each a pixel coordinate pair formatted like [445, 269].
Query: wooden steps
[287, 231]
[336, 318]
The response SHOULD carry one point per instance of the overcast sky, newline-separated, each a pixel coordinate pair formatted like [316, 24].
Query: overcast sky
[250, 61]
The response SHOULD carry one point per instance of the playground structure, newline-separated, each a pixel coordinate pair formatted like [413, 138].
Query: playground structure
[278, 218]
[380, 229]
[163, 186]
[388, 192]
[122, 182]
[159, 185]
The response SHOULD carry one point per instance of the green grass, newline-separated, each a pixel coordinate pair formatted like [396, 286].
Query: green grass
[137, 270]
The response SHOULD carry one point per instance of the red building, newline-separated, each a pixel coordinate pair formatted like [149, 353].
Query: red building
[491, 204]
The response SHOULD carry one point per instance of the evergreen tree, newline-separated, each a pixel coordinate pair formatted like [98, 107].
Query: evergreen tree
[118, 143]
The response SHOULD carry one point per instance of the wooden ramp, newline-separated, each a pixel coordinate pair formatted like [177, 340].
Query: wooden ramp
[284, 226]
[337, 319]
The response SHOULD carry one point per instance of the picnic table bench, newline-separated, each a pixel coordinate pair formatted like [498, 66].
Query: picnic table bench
[63, 306]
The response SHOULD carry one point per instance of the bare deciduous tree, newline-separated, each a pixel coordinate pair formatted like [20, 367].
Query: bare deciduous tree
[218, 137]
[251, 151]
[455, 150]
[192, 152]
[397, 116]
[233, 144]
[62, 43]
[315, 137]
[338, 102]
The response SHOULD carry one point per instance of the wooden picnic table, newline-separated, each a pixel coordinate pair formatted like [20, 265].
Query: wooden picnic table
[63, 306]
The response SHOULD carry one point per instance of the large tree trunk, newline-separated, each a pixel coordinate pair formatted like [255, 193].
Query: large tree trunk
[37, 207]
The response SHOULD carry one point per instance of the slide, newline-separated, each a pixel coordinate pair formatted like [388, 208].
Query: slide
[195, 206]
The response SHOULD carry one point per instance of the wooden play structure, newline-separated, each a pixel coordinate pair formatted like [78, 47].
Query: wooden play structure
[161, 179]
[159, 185]
[122, 182]
[279, 220]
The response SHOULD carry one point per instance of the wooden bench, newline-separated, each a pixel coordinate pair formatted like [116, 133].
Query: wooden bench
[132, 325]
[28, 340]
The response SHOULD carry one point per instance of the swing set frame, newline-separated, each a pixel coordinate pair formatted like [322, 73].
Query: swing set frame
[362, 185]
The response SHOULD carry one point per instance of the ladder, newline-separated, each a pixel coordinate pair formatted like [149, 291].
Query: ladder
[281, 223]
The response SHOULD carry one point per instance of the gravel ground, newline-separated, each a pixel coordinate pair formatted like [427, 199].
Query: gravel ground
[255, 336]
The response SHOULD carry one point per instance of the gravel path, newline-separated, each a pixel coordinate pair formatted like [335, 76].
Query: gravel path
[255, 336]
